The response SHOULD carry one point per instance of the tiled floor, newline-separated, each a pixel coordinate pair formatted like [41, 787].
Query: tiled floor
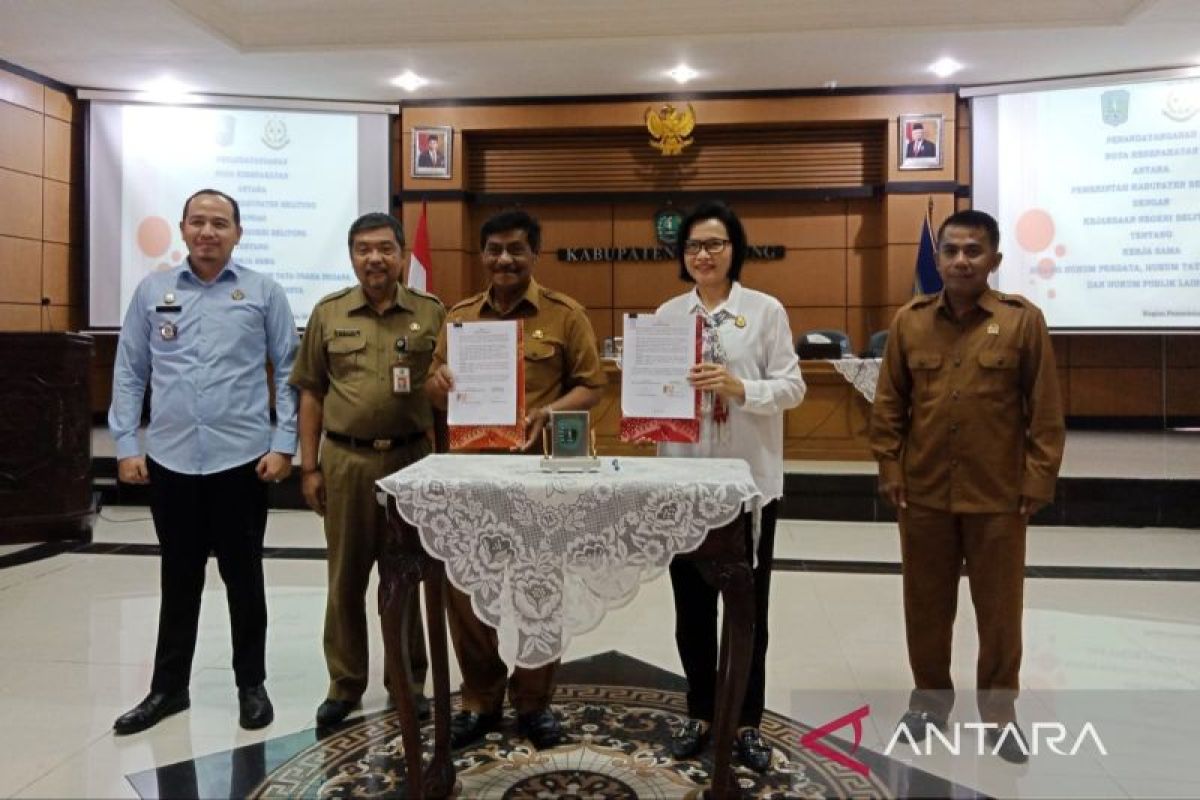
[79, 635]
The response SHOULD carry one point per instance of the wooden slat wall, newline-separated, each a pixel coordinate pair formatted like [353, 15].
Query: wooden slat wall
[720, 158]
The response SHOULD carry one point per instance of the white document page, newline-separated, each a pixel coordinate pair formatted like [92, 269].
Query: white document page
[659, 350]
[483, 358]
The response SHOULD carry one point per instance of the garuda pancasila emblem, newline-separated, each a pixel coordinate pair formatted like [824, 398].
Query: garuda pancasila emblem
[671, 128]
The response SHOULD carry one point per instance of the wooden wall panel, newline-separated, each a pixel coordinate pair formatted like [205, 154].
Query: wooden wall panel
[58, 105]
[57, 150]
[56, 211]
[1116, 351]
[1182, 390]
[15, 317]
[646, 284]
[1115, 391]
[866, 277]
[618, 159]
[802, 278]
[20, 270]
[56, 275]
[41, 181]
[20, 139]
[20, 205]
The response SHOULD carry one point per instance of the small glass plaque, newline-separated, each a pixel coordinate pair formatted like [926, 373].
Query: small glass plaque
[569, 443]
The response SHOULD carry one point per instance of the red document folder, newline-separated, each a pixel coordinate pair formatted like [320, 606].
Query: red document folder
[657, 429]
[497, 437]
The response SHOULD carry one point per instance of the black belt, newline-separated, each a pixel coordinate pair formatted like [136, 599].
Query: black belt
[376, 444]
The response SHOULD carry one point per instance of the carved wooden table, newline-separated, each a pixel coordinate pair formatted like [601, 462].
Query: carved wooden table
[421, 553]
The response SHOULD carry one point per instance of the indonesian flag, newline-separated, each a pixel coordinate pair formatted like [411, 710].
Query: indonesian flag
[420, 266]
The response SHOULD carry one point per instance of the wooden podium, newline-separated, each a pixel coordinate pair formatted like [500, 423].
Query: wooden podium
[46, 430]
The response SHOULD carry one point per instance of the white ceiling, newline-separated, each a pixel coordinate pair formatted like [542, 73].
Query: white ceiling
[349, 49]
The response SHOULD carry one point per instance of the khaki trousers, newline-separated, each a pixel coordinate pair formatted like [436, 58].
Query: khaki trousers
[485, 676]
[935, 546]
[354, 527]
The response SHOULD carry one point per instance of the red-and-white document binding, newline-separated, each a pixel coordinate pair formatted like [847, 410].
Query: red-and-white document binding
[486, 407]
[657, 402]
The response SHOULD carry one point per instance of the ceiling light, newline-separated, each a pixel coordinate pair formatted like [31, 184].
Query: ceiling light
[945, 67]
[165, 90]
[682, 73]
[409, 81]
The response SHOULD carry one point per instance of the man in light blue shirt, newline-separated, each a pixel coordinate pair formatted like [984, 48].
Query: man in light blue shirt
[200, 335]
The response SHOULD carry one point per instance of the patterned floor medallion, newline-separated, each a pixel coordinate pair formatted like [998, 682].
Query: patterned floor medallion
[618, 712]
[617, 749]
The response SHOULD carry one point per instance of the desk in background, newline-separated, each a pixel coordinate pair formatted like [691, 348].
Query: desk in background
[829, 425]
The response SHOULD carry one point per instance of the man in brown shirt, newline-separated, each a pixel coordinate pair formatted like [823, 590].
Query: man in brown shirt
[562, 372]
[967, 427]
[361, 368]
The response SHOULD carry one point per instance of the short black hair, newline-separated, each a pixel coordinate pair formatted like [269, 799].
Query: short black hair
[718, 210]
[237, 211]
[970, 218]
[513, 220]
[374, 221]
[917, 126]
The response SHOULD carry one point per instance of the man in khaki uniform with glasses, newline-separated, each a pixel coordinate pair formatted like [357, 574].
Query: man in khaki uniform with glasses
[361, 368]
[968, 430]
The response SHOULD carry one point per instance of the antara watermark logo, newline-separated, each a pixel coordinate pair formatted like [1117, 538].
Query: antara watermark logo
[1044, 737]
[980, 738]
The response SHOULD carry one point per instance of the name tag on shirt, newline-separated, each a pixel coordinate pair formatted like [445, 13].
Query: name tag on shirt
[168, 309]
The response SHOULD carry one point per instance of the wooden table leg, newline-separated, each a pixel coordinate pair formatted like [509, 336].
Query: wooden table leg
[403, 566]
[396, 600]
[440, 777]
[736, 584]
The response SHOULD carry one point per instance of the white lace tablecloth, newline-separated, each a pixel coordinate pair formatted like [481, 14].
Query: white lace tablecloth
[861, 373]
[544, 556]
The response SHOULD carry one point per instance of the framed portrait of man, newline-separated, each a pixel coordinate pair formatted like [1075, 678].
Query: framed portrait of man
[432, 149]
[920, 141]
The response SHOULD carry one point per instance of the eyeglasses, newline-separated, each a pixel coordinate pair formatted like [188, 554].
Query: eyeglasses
[711, 246]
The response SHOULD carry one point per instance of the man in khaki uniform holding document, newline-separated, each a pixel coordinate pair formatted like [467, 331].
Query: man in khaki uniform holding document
[562, 372]
[361, 368]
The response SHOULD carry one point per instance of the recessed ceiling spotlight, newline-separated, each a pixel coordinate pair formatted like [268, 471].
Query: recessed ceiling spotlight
[682, 73]
[409, 81]
[165, 90]
[945, 67]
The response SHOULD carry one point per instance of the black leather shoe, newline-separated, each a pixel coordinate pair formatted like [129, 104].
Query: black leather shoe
[541, 728]
[256, 708]
[690, 738]
[752, 750]
[331, 712]
[918, 723]
[467, 727]
[156, 707]
[1013, 746]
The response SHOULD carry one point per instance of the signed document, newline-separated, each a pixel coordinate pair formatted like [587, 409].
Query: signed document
[659, 351]
[483, 357]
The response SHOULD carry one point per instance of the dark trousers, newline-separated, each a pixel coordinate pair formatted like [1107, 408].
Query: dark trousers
[194, 515]
[934, 546]
[485, 676]
[697, 637]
